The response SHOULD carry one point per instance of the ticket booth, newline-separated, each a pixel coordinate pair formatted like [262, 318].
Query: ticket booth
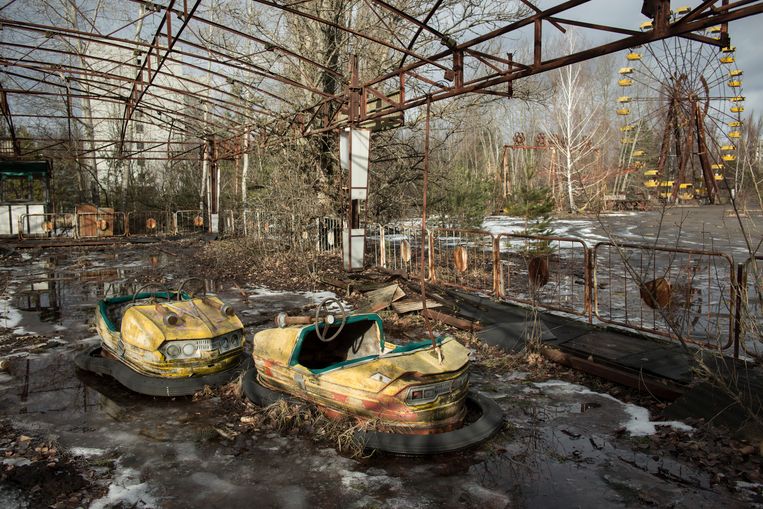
[24, 189]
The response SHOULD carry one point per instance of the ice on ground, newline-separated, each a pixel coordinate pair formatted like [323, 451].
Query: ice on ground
[87, 452]
[126, 490]
[360, 481]
[639, 423]
[210, 481]
[318, 297]
[11, 316]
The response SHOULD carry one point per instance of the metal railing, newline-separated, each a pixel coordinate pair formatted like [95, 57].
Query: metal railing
[696, 295]
[47, 226]
[672, 292]
[749, 329]
[150, 223]
[398, 247]
[190, 221]
[546, 271]
[463, 259]
[328, 238]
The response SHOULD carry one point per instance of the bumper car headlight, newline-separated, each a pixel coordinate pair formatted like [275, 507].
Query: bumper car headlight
[172, 351]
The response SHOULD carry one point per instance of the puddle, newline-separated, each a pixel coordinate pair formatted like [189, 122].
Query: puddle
[562, 442]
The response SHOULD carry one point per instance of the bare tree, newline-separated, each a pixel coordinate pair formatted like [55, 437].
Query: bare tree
[575, 130]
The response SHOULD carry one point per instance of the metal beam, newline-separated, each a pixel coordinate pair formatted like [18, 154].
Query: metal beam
[5, 108]
[482, 83]
[139, 87]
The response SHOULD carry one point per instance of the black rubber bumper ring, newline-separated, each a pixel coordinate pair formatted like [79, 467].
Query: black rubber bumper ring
[92, 361]
[486, 426]
[256, 393]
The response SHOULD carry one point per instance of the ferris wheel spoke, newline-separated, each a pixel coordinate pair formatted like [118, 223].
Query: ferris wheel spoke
[677, 85]
[724, 114]
[644, 83]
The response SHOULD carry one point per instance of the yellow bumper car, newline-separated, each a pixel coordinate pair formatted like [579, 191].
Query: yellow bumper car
[419, 392]
[163, 343]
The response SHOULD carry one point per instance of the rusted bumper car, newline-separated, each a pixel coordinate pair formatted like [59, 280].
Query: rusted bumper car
[418, 393]
[163, 343]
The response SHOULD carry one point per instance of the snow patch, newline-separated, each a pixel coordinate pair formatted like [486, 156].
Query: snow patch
[361, 481]
[11, 316]
[639, 424]
[126, 490]
[87, 452]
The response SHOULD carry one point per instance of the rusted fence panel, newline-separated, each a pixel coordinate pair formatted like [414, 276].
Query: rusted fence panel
[150, 223]
[47, 226]
[677, 293]
[463, 259]
[190, 221]
[545, 271]
[328, 235]
[750, 313]
[398, 247]
[234, 223]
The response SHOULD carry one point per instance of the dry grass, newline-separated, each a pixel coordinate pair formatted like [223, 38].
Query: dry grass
[297, 417]
[290, 417]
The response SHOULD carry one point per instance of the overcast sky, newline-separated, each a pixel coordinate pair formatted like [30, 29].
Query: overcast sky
[745, 35]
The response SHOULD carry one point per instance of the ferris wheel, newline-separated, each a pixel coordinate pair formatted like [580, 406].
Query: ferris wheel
[680, 106]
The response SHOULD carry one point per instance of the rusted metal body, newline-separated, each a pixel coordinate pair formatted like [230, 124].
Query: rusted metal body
[170, 338]
[359, 374]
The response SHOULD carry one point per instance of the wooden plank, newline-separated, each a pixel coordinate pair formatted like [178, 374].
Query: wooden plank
[408, 305]
[336, 283]
[382, 298]
[636, 380]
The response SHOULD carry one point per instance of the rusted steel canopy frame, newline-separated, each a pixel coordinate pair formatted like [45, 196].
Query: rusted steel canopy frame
[106, 98]
[480, 39]
[82, 35]
[105, 140]
[675, 29]
[401, 72]
[57, 147]
[183, 79]
[169, 112]
[6, 111]
[131, 46]
[73, 70]
[419, 30]
[120, 98]
[137, 94]
[538, 11]
[267, 44]
[356, 33]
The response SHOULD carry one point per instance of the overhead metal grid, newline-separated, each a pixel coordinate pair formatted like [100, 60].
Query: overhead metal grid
[87, 77]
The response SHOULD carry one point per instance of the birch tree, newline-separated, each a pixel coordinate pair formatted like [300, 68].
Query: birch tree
[575, 127]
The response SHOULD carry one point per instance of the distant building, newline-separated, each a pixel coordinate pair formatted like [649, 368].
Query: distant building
[148, 133]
